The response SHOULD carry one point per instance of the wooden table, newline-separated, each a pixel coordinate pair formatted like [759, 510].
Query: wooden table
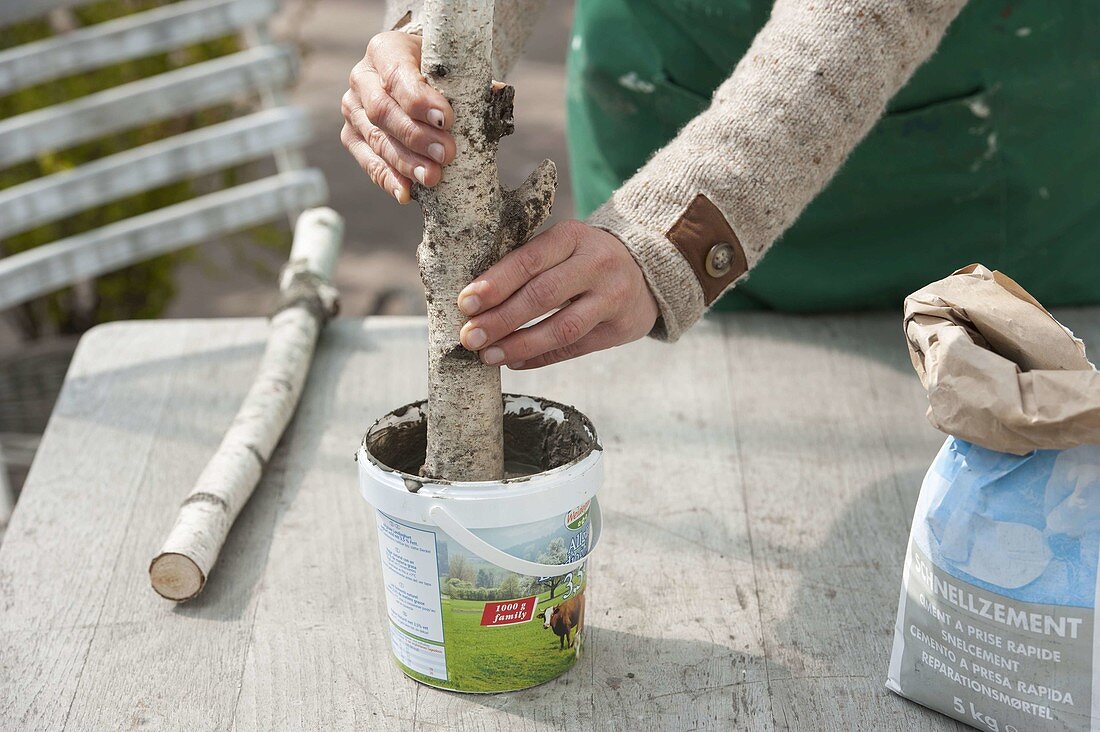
[761, 476]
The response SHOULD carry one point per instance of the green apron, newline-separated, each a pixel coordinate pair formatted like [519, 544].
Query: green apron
[990, 154]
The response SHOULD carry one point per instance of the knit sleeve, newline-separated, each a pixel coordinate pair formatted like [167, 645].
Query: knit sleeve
[815, 80]
[513, 21]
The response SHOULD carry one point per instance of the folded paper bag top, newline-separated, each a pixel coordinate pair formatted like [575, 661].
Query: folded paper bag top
[999, 369]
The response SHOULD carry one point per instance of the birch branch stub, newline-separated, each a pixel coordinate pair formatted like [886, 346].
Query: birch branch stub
[307, 301]
[470, 222]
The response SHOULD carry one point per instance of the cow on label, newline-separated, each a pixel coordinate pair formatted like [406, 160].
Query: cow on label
[565, 617]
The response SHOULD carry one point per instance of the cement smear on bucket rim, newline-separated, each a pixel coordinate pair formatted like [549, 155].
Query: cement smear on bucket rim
[539, 435]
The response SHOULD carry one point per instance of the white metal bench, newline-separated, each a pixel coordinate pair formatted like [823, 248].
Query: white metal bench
[274, 130]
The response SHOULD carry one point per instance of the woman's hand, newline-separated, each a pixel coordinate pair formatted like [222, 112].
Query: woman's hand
[395, 123]
[395, 126]
[585, 271]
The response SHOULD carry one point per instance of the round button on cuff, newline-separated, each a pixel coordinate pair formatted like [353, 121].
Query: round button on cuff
[720, 259]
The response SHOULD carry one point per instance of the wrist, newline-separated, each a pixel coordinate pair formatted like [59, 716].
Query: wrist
[687, 264]
[670, 283]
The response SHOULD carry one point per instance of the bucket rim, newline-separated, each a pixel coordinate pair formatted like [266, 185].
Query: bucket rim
[443, 488]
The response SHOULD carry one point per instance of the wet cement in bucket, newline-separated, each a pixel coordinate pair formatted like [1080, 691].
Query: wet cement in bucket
[539, 435]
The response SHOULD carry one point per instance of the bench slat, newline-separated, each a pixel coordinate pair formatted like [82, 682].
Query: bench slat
[156, 98]
[50, 267]
[17, 11]
[149, 166]
[129, 37]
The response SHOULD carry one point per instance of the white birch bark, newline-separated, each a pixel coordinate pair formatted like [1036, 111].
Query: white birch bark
[470, 221]
[180, 570]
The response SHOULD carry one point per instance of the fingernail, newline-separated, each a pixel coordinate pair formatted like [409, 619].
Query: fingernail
[419, 173]
[470, 304]
[436, 118]
[397, 194]
[492, 356]
[436, 151]
[476, 338]
[516, 365]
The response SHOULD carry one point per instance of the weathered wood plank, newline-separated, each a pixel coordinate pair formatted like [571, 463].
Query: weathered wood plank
[39, 672]
[56, 570]
[51, 266]
[156, 98]
[316, 627]
[812, 398]
[176, 158]
[132, 36]
[759, 475]
[191, 657]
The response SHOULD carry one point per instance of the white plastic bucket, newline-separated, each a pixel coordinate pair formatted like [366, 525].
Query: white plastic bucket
[485, 581]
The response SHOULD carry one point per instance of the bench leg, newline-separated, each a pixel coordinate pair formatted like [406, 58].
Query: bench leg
[7, 494]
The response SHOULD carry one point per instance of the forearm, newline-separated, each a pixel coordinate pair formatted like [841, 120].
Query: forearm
[513, 21]
[813, 83]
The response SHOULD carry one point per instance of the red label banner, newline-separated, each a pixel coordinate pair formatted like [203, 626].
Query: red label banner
[509, 612]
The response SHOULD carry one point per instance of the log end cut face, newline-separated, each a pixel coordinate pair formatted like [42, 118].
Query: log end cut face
[176, 577]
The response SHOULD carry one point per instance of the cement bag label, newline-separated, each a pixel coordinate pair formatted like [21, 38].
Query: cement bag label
[996, 619]
[457, 621]
[998, 664]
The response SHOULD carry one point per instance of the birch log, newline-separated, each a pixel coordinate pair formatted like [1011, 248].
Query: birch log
[307, 301]
[470, 222]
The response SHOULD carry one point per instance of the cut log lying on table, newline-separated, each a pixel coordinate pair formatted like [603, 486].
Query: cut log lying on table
[307, 301]
[470, 222]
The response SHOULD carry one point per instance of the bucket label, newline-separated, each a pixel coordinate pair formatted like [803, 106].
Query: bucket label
[424, 658]
[408, 573]
[461, 622]
[576, 518]
[509, 612]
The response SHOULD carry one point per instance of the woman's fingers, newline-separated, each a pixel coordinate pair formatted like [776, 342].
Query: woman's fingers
[372, 109]
[601, 337]
[395, 57]
[561, 330]
[400, 158]
[606, 299]
[395, 113]
[384, 112]
[545, 292]
[519, 267]
[383, 175]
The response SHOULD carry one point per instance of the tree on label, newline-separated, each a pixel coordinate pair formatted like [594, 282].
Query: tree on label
[510, 587]
[460, 568]
[484, 578]
[555, 554]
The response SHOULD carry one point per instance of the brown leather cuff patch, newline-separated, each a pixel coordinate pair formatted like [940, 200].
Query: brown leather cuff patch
[708, 243]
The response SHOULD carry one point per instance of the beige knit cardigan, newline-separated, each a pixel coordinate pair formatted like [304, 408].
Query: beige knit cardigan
[815, 80]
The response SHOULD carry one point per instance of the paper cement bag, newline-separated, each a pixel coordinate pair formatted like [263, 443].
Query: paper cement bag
[996, 621]
[999, 369]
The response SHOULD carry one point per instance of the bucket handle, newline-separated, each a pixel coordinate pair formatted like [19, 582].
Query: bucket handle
[476, 545]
